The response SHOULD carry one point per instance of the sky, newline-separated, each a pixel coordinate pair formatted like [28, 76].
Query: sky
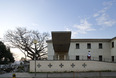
[84, 18]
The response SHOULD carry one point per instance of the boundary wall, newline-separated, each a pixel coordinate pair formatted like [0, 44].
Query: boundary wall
[71, 66]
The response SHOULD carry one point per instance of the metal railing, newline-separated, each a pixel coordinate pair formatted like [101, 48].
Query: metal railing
[82, 58]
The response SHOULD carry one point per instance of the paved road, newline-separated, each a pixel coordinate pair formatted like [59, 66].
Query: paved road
[18, 75]
[61, 75]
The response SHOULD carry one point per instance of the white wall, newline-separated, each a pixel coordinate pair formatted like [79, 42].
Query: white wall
[95, 51]
[78, 66]
[113, 50]
[50, 51]
[83, 51]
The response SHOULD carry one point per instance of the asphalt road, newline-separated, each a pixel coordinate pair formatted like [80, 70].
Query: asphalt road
[62, 75]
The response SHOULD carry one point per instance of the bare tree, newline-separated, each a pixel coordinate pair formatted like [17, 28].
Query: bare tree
[23, 39]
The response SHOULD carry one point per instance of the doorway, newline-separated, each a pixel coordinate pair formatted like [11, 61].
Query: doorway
[112, 58]
[100, 57]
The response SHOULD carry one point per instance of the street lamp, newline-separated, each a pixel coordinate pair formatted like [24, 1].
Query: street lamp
[35, 42]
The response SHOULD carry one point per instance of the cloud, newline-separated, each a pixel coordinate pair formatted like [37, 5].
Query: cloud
[81, 28]
[74, 33]
[102, 18]
[84, 27]
[67, 29]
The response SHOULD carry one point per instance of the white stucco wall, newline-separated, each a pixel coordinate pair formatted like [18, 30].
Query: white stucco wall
[83, 51]
[43, 66]
[113, 50]
[50, 51]
[95, 51]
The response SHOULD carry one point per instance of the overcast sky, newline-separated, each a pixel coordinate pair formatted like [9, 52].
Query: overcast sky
[85, 18]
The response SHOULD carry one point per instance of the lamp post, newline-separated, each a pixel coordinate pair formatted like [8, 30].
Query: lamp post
[35, 42]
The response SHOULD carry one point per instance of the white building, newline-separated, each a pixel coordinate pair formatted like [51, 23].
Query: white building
[61, 47]
[64, 53]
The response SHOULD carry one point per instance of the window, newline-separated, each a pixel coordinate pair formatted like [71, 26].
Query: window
[77, 57]
[100, 45]
[88, 46]
[77, 46]
[112, 44]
